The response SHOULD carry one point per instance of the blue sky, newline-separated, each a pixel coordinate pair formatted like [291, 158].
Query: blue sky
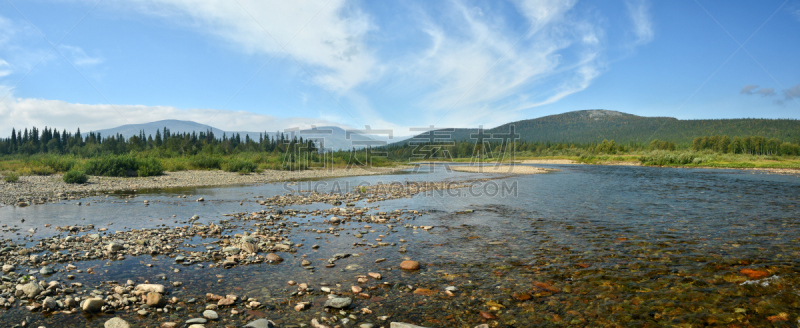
[268, 65]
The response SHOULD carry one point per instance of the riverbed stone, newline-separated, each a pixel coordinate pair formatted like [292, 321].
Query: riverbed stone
[50, 304]
[339, 302]
[260, 323]
[31, 289]
[156, 288]
[156, 299]
[93, 304]
[116, 322]
[403, 325]
[210, 315]
[47, 270]
[114, 247]
[272, 257]
[196, 321]
[409, 265]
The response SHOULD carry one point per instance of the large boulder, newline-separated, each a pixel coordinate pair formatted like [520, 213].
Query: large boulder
[156, 299]
[93, 305]
[31, 289]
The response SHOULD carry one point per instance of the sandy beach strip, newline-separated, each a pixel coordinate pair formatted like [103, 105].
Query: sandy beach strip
[506, 169]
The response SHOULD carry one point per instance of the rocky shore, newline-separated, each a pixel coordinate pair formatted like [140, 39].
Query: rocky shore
[54, 276]
[31, 190]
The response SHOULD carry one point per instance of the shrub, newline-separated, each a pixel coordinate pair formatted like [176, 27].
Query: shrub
[11, 177]
[205, 162]
[149, 167]
[241, 166]
[174, 165]
[59, 163]
[42, 170]
[123, 166]
[112, 166]
[75, 176]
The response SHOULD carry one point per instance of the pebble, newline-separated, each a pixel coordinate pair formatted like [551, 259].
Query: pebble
[196, 321]
[339, 302]
[210, 315]
[116, 322]
[260, 323]
[409, 265]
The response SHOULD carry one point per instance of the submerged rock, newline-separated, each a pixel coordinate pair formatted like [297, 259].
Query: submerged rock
[260, 323]
[116, 322]
[338, 302]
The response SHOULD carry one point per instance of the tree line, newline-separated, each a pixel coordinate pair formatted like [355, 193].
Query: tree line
[165, 143]
[752, 145]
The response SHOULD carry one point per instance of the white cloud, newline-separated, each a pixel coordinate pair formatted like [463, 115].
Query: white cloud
[77, 56]
[639, 11]
[325, 36]
[27, 112]
[478, 70]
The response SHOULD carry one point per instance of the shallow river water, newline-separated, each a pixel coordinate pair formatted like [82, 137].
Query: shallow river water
[583, 246]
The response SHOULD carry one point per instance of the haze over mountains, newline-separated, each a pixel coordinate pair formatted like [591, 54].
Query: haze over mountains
[583, 126]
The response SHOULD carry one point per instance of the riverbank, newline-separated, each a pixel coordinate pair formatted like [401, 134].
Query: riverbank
[504, 169]
[42, 189]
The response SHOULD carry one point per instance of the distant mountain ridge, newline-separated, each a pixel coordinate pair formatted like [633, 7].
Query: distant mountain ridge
[596, 125]
[327, 137]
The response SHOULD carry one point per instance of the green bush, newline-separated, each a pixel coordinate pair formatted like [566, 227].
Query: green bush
[42, 170]
[241, 166]
[75, 176]
[205, 162]
[11, 177]
[149, 167]
[111, 166]
[123, 166]
[661, 158]
[59, 163]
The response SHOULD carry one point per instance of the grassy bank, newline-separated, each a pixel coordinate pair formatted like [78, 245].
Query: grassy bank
[145, 164]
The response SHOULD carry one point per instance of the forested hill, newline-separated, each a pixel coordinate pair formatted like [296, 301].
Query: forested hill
[593, 126]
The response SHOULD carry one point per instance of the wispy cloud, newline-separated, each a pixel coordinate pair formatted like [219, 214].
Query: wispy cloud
[748, 89]
[78, 56]
[5, 69]
[477, 69]
[792, 92]
[766, 92]
[28, 112]
[639, 11]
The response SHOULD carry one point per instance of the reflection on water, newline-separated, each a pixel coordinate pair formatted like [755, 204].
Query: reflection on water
[587, 245]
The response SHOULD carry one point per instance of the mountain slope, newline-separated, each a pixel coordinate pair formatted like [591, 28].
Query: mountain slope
[587, 126]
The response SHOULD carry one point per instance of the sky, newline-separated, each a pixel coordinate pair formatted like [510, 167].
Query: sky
[254, 65]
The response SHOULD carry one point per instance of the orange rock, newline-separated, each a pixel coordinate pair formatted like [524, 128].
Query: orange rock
[754, 274]
[424, 291]
[546, 287]
[521, 296]
[783, 316]
[583, 265]
[409, 265]
[488, 315]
